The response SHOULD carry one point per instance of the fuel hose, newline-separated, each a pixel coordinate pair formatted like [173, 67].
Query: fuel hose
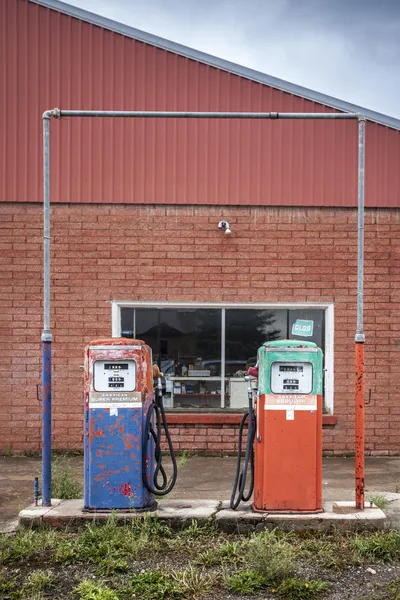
[158, 483]
[238, 493]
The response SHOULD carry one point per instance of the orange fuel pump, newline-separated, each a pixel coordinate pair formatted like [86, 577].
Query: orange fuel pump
[285, 431]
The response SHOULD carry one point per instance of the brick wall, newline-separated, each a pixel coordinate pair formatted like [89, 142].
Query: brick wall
[101, 253]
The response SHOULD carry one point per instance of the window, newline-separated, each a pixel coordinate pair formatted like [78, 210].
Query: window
[204, 351]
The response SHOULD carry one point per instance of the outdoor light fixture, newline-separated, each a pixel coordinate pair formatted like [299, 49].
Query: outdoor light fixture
[224, 225]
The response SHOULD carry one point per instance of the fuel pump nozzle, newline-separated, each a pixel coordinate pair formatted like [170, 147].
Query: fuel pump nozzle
[239, 486]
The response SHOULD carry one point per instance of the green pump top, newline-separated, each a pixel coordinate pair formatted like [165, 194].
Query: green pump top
[290, 351]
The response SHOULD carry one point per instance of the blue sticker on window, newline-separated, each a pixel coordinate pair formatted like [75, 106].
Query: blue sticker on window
[303, 328]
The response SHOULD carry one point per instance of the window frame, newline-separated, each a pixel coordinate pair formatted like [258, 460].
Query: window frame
[328, 307]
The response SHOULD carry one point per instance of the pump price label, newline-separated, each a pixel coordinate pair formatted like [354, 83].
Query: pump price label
[115, 400]
[295, 401]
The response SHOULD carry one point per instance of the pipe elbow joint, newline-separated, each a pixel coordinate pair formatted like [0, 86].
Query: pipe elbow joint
[55, 113]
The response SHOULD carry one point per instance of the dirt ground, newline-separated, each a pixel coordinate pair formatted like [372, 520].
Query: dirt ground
[199, 478]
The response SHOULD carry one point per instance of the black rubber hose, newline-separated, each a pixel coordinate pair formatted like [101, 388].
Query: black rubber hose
[154, 486]
[238, 492]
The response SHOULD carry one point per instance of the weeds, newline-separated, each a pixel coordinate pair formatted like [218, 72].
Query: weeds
[38, 581]
[193, 582]
[184, 457]
[26, 545]
[297, 589]
[90, 590]
[380, 500]
[100, 544]
[64, 485]
[266, 561]
[246, 582]
[152, 585]
[271, 554]
[381, 546]
[326, 552]
[228, 552]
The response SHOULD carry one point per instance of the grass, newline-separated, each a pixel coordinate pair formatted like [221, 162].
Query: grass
[380, 500]
[151, 585]
[193, 582]
[246, 582]
[273, 555]
[146, 559]
[379, 546]
[298, 589]
[38, 581]
[230, 552]
[91, 590]
[183, 458]
[63, 484]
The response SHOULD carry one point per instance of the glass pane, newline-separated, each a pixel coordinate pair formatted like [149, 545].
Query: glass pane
[186, 344]
[127, 322]
[246, 331]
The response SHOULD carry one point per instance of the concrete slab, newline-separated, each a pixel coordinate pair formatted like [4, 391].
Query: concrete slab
[180, 511]
[70, 513]
[33, 515]
[245, 519]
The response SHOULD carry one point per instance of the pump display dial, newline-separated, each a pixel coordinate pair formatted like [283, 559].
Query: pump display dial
[114, 375]
[291, 378]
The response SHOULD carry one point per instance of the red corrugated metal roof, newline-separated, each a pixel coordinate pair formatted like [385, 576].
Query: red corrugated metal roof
[51, 60]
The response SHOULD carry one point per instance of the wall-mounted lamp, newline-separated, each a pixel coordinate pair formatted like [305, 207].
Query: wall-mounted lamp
[224, 225]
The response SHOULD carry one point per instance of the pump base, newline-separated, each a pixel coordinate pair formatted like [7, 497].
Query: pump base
[286, 512]
[150, 508]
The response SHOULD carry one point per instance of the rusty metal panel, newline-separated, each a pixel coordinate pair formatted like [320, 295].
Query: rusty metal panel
[50, 59]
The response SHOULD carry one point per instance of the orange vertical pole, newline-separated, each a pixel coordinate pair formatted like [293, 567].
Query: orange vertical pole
[360, 337]
[360, 478]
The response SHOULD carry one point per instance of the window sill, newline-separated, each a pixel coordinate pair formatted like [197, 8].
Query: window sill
[221, 417]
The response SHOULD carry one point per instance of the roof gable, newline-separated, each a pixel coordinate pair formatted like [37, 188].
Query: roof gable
[218, 63]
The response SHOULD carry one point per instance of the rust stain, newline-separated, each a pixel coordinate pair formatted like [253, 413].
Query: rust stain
[112, 427]
[129, 440]
[99, 453]
[99, 433]
[102, 466]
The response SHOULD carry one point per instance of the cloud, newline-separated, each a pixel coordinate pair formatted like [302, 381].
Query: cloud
[349, 49]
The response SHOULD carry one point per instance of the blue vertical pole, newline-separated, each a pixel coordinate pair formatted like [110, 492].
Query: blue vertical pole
[46, 333]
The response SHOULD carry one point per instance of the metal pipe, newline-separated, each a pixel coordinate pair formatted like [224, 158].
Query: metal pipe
[47, 336]
[360, 336]
[46, 333]
[57, 113]
[36, 491]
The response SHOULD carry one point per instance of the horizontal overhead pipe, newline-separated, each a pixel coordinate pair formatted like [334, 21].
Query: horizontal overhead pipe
[145, 114]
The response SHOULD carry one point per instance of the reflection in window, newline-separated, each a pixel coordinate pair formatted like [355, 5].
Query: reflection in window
[187, 345]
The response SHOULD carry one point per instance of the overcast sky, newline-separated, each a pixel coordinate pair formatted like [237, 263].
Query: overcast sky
[349, 49]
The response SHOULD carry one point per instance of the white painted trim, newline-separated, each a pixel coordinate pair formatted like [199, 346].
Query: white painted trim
[329, 356]
[166, 304]
[329, 326]
[115, 319]
[223, 382]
